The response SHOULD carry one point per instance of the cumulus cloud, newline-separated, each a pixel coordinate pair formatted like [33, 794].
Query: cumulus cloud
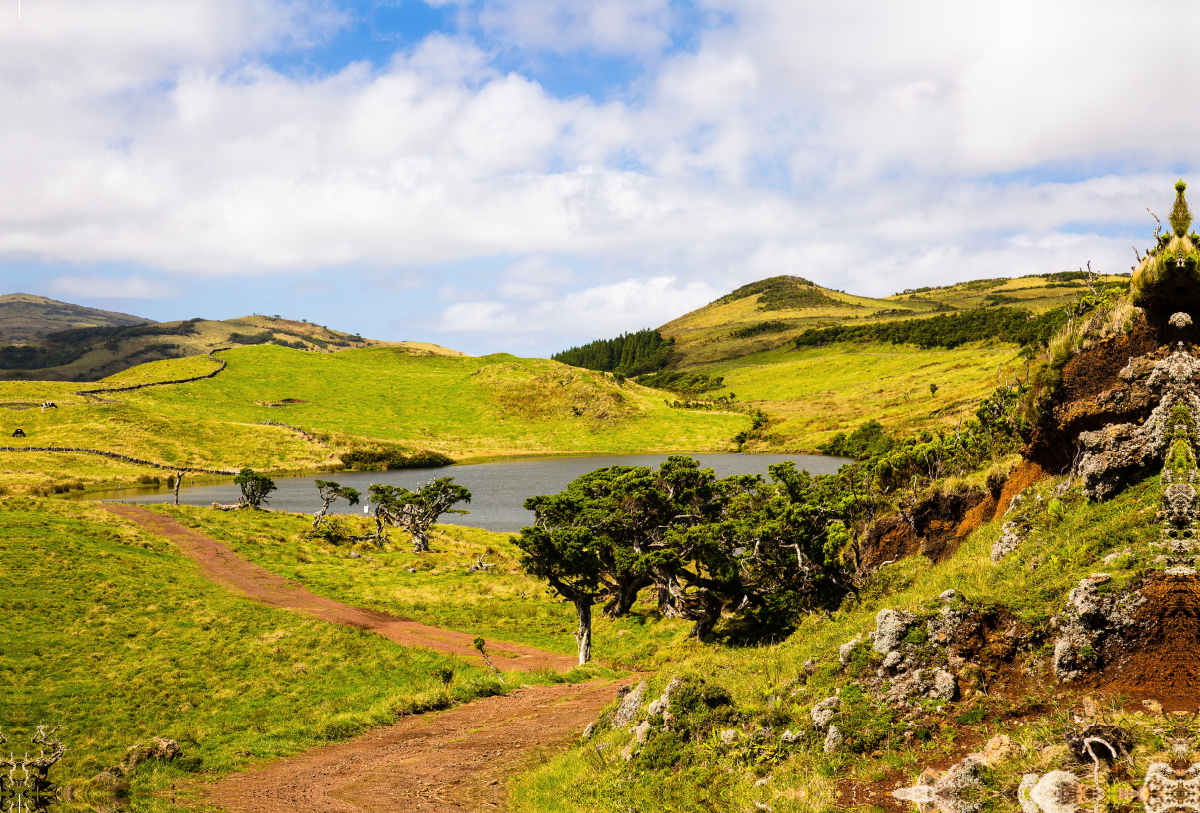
[867, 146]
[94, 287]
[582, 315]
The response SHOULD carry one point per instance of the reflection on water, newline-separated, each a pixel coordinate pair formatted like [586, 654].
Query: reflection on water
[498, 490]
[25, 785]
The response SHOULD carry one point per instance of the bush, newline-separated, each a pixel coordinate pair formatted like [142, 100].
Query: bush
[384, 459]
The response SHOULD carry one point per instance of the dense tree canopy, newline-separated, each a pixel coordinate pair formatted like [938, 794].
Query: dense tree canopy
[255, 487]
[948, 330]
[741, 544]
[628, 354]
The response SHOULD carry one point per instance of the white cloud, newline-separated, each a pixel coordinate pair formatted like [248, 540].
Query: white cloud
[93, 287]
[599, 310]
[867, 146]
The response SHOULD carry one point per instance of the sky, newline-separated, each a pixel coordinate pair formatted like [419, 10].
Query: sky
[527, 175]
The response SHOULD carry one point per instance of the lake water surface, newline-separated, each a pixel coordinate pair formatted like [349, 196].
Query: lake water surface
[498, 489]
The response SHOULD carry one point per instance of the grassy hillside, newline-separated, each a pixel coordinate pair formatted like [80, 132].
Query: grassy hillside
[771, 313]
[114, 635]
[461, 406]
[90, 353]
[773, 689]
[812, 394]
[27, 318]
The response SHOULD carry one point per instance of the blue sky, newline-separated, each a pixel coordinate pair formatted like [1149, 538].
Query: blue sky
[496, 175]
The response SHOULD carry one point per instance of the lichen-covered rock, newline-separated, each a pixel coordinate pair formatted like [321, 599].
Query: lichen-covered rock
[1011, 536]
[845, 649]
[945, 687]
[789, 736]
[824, 711]
[1088, 621]
[890, 628]
[832, 740]
[628, 709]
[642, 731]
[729, 736]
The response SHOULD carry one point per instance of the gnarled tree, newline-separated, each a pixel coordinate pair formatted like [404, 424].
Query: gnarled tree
[416, 511]
[331, 492]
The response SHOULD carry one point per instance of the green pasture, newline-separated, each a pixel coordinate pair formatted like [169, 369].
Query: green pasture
[461, 406]
[112, 634]
[502, 603]
[814, 393]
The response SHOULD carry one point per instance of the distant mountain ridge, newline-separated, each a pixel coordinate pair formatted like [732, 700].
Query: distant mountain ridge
[45, 340]
[27, 318]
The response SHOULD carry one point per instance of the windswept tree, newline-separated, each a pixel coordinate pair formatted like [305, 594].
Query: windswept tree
[255, 487]
[742, 544]
[330, 493]
[568, 558]
[416, 511]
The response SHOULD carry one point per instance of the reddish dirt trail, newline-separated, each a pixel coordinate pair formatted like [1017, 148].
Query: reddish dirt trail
[450, 761]
[226, 568]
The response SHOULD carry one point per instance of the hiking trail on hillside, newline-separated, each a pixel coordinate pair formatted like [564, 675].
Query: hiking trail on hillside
[451, 760]
[220, 564]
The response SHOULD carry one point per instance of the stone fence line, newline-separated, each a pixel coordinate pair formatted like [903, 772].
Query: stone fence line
[115, 456]
[307, 435]
[211, 357]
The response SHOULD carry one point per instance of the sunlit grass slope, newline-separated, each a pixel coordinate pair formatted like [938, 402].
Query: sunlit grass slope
[771, 687]
[710, 333]
[114, 635]
[502, 603]
[814, 393]
[462, 406]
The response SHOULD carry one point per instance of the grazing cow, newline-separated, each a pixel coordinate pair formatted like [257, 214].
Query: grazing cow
[49, 405]
[20, 433]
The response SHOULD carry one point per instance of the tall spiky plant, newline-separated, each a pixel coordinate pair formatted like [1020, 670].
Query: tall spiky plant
[1181, 216]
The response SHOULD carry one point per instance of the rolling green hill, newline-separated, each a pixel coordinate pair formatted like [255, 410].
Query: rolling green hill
[90, 352]
[26, 318]
[771, 313]
[378, 397]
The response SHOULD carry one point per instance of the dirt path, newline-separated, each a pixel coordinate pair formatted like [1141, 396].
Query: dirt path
[449, 761]
[223, 566]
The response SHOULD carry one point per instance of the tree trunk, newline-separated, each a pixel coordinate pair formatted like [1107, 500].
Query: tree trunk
[706, 612]
[625, 593]
[420, 540]
[320, 515]
[584, 636]
[178, 482]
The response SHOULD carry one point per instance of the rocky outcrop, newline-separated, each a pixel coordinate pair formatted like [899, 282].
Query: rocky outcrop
[1090, 619]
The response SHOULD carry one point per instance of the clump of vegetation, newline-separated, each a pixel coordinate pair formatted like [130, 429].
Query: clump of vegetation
[764, 549]
[255, 487]
[252, 338]
[870, 439]
[629, 354]
[947, 330]
[785, 293]
[760, 329]
[384, 459]
[682, 382]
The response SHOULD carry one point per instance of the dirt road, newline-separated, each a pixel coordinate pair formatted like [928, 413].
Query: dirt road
[454, 760]
[226, 568]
